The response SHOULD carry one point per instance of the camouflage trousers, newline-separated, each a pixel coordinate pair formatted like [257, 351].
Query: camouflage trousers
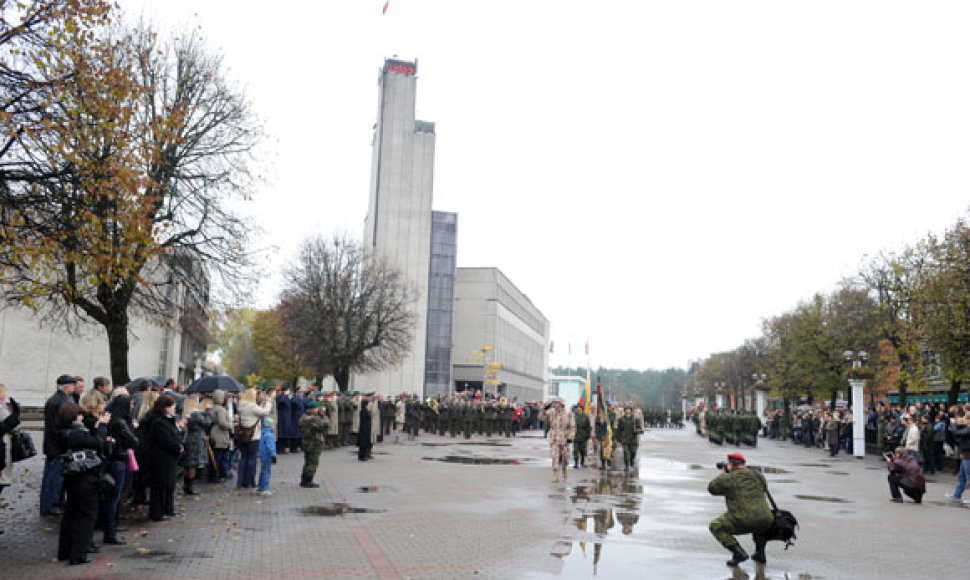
[579, 451]
[725, 526]
[311, 459]
[560, 455]
[629, 454]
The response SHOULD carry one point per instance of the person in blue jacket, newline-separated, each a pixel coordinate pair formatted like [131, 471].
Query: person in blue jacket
[267, 456]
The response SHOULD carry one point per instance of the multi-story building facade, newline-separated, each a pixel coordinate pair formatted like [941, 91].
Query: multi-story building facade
[491, 312]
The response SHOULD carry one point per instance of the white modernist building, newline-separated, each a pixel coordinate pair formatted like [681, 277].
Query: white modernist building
[491, 312]
[399, 218]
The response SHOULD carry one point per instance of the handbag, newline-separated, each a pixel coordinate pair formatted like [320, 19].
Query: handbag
[245, 434]
[21, 446]
[79, 462]
[131, 465]
[783, 527]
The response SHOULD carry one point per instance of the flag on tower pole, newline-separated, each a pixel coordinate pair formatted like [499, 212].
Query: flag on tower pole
[384, 10]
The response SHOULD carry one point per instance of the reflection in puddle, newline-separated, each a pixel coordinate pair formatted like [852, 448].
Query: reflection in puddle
[822, 498]
[336, 509]
[480, 443]
[609, 502]
[478, 460]
[839, 472]
[815, 464]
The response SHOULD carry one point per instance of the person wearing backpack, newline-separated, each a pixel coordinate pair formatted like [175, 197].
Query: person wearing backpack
[748, 511]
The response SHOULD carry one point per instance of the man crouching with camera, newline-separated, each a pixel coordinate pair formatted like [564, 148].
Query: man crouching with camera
[905, 474]
[748, 511]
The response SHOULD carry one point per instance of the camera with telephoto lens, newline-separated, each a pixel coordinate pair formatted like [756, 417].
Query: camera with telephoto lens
[722, 465]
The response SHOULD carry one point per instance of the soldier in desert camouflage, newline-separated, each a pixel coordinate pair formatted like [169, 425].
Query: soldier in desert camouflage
[562, 430]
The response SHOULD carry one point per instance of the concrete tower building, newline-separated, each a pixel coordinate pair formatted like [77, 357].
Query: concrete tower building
[399, 219]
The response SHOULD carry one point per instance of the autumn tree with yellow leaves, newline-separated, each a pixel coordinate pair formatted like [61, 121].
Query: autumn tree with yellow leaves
[121, 153]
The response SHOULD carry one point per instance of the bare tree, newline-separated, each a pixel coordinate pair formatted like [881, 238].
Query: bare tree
[345, 310]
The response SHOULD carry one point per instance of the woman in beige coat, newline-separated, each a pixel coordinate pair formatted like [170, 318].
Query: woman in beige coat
[253, 407]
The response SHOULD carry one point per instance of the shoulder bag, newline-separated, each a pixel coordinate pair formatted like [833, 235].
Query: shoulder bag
[21, 446]
[783, 527]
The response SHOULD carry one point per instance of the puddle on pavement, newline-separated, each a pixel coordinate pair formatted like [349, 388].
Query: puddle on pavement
[767, 469]
[336, 509]
[696, 466]
[478, 443]
[822, 498]
[784, 481]
[815, 464]
[374, 488]
[478, 460]
[838, 472]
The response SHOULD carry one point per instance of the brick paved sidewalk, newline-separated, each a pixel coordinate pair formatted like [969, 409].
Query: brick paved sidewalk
[433, 513]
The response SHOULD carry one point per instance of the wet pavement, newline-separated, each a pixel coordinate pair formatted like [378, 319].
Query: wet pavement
[449, 508]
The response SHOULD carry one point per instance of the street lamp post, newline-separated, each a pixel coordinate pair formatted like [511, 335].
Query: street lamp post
[759, 383]
[719, 393]
[856, 360]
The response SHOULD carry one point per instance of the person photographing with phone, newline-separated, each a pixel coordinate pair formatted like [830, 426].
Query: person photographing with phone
[748, 511]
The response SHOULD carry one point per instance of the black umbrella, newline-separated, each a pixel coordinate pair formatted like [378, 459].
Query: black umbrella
[213, 382]
[153, 382]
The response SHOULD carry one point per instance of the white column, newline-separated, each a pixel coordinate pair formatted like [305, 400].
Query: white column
[760, 405]
[720, 401]
[858, 419]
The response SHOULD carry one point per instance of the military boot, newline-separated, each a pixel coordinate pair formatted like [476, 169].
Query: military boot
[555, 476]
[565, 476]
[738, 555]
[759, 553]
[307, 481]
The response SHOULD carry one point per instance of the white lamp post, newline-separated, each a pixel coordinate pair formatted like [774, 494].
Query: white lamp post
[759, 380]
[857, 360]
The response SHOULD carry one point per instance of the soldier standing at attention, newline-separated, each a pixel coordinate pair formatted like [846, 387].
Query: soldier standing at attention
[626, 435]
[562, 430]
[583, 431]
[748, 512]
[313, 434]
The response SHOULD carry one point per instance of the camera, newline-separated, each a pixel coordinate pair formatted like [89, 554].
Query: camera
[722, 465]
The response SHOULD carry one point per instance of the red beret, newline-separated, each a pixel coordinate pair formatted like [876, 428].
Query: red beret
[736, 457]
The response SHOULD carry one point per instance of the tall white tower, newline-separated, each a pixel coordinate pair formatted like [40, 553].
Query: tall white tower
[398, 222]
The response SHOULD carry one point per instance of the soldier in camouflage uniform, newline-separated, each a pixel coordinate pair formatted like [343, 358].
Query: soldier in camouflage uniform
[583, 431]
[748, 511]
[562, 430]
[313, 432]
[626, 435]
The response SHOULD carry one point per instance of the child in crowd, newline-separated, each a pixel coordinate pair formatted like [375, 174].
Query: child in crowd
[267, 456]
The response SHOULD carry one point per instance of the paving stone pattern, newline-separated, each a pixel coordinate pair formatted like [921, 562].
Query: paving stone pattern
[424, 518]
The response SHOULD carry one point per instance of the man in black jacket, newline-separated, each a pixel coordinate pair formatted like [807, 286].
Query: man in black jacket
[50, 487]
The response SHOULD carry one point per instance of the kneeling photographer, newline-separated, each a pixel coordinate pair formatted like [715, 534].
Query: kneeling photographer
[748, 511]
[905, 474]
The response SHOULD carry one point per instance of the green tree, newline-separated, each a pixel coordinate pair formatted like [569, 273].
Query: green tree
[944, 304]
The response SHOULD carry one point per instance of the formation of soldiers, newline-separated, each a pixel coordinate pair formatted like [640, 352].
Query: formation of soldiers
[733, 427]
[459, 415]
[658, 417]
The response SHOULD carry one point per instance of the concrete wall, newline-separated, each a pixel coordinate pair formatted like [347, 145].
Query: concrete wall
[489, 309]
[398, 222]
[33, 356]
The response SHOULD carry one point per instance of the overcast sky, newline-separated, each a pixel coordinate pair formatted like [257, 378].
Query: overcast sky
[657, 176]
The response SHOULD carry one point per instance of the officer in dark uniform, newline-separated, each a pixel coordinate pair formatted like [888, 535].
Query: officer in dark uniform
[748, 511]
